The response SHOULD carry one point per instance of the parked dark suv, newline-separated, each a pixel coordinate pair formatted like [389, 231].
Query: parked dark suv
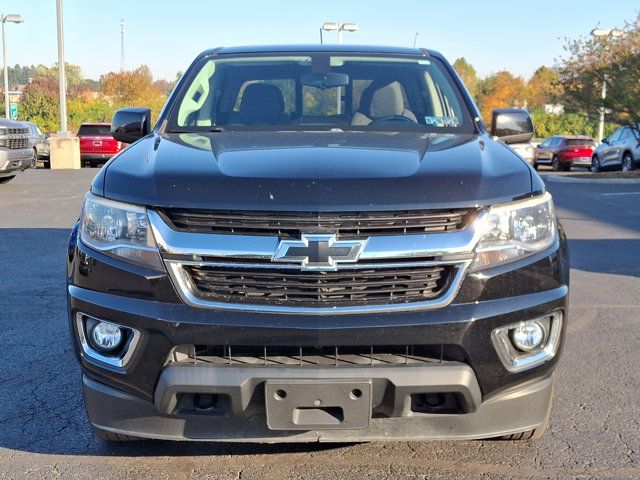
[318, 243]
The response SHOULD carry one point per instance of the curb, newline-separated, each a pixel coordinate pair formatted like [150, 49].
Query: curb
[604, 181]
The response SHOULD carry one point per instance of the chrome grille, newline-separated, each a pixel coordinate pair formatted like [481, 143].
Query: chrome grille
[342, 287]
[293, 224]
[16, 143]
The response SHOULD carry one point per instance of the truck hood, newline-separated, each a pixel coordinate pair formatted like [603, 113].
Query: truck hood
[315, 171]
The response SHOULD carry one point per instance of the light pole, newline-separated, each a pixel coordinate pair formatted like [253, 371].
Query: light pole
[340, 27]
[601, 33]
[11, 18]
[62, 81]
[122, 45]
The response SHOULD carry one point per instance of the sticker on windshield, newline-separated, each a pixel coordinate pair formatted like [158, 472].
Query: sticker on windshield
[441, 121]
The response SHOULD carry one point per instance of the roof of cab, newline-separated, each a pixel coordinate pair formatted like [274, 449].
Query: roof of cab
[318, 48]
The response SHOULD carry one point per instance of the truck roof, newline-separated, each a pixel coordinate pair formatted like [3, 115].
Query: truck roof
[332, 48]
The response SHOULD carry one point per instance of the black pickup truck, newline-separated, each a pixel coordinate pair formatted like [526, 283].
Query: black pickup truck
[318, 243]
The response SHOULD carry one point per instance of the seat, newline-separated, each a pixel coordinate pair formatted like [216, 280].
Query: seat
[381, 100]
[261, 104]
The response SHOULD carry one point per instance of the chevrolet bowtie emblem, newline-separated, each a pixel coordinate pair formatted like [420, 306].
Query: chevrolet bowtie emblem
[319, 252]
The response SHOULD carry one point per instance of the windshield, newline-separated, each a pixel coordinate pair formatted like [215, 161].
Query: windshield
[320, 91]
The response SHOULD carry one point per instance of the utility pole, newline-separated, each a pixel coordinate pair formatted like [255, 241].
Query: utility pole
[122, 45]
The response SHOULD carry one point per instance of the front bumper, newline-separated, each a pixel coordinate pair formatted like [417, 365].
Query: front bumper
[12, 161]
[514, 411]
[97, 157]
[139, 398]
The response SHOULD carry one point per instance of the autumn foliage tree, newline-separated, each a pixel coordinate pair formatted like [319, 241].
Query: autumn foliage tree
[134, 88]
[543, 88]
[500, 90]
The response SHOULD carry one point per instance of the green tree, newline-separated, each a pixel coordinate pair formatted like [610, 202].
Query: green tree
[468, 75]
[614, 61]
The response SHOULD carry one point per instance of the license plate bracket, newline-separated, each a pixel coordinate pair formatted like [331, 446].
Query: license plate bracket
[317, 405]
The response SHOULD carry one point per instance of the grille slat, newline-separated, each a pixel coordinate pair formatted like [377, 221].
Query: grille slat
[341, 287]
[293, 224]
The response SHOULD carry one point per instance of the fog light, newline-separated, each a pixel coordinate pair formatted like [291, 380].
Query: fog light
[528, 336]
[106, 336]
[527, 344]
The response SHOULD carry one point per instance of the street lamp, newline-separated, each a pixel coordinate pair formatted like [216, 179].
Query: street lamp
[603, 33]
[11, 18]
[340, 27]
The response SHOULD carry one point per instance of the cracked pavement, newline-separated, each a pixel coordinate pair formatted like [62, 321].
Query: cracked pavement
[595, 424]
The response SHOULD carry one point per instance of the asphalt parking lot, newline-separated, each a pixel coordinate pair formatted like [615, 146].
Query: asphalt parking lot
[595, 430]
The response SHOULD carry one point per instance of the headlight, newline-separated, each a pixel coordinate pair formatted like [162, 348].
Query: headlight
[119, 230]
[515, 230]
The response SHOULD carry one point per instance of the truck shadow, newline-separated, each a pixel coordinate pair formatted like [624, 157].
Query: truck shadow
[41, 408]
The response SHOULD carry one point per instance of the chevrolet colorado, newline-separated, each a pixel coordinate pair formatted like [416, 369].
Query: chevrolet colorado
[318, 243]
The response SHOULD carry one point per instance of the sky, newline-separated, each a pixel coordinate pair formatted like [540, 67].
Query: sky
[167, 35]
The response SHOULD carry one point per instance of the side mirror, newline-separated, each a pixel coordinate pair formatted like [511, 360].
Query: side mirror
[605, 141]
[511, 125]
[131, 124]
[46, 136]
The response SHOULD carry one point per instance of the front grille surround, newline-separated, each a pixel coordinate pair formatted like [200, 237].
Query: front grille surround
[190, 294]
[445, 256]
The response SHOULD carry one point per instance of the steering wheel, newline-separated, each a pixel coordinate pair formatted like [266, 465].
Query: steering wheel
[392, 119]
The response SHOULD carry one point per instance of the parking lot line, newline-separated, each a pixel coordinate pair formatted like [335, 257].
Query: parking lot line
[620, 193]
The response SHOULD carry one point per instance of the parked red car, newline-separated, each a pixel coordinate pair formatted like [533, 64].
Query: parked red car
[564, 152]
[96, 143]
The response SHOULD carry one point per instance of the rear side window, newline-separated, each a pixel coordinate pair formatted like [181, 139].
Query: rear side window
[96, 130]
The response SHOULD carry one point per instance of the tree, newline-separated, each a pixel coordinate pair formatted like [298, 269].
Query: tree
[134, 88]
[543, 87]
[40, 104]
[500, 90]
[468, 75]
[613, 61]
[73, 73]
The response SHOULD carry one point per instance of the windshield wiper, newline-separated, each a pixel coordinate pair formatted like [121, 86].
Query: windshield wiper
[217, 129]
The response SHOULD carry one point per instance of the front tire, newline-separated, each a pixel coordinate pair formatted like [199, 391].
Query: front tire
[627, 163]
[555, 164]
[595, 165]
